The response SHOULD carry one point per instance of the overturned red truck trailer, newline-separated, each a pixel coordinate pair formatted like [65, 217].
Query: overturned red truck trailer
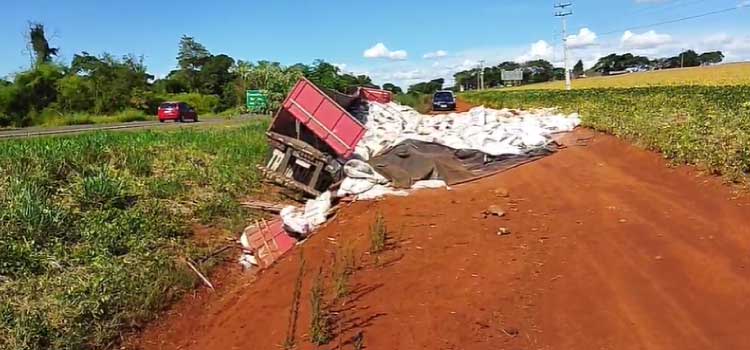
[313, 134]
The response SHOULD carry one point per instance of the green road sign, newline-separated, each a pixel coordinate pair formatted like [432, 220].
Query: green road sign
[257, 102]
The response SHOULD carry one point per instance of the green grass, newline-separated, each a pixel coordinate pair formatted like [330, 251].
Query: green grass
[344, 266]
[93, 227]
[420, 102]
[378, 234]
[130, 115]
[707, 126]
[320, 317]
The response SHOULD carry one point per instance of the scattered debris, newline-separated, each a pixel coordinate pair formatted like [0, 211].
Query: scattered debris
[494, 210]
[317, 134]
[503, 231]
[511, 332]
[200, 275]
[264, 206]
[263, 243]
[332, 147]
[502, 192]
[207, 257]
[302, 221]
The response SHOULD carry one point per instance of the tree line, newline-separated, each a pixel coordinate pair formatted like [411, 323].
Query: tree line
[105, 84]
[537, 71]
[688, 58]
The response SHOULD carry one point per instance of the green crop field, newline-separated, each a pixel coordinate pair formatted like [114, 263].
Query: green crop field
[94, 226]
[708, 126]
[719, 75]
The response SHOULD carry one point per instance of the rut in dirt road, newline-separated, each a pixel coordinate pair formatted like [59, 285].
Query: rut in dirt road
[609, 248]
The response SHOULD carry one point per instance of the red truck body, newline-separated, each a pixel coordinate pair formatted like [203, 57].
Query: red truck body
[375, 95]
[328, 120]
[313, 135]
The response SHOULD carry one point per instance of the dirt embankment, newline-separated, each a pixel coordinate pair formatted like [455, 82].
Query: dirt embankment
[609, 249]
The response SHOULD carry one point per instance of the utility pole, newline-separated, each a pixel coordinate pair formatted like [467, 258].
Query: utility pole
[481, 74]
[563, 13]
[682, 58]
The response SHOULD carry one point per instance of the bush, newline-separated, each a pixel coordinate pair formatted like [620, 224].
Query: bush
[130, 115]
[203, 104]
[420, 102]
[100, 191]
[51, 118]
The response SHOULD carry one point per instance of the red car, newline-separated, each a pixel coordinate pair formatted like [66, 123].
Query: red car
[177, 111]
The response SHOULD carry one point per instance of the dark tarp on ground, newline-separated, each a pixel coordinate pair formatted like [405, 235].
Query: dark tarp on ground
[413, 160]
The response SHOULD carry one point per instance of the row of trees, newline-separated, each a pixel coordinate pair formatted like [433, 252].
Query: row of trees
[537, 71]
[534, 71]
[106, 84]
[689, 58]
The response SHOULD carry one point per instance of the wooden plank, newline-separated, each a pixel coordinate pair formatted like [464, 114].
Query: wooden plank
[264, 206]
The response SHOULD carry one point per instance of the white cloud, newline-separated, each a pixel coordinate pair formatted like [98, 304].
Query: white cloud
[735, 48]
[464, 65]
[436, 54]
[539, 50]
[584, 38]
[381, 51]
[717, 39]
[734, 45]
[408, 75]
[647, 40]
[340, 66]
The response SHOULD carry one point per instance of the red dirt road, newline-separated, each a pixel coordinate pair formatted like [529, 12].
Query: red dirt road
[609, 249]
[461, 106]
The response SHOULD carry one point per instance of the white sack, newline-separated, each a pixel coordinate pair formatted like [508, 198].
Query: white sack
[428, 184]
[495, 132]
[304, 221]
[316, 210]
[351, 185]
[380, 191]
[294, 220]
[360, 170]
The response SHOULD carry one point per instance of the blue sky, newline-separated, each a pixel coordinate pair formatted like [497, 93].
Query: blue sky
[454, 35]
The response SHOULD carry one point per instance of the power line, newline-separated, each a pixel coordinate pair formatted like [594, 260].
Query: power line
[711, 13]
[664, 6]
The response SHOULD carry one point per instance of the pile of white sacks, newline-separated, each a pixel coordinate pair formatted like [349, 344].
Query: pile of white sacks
[495, 132]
